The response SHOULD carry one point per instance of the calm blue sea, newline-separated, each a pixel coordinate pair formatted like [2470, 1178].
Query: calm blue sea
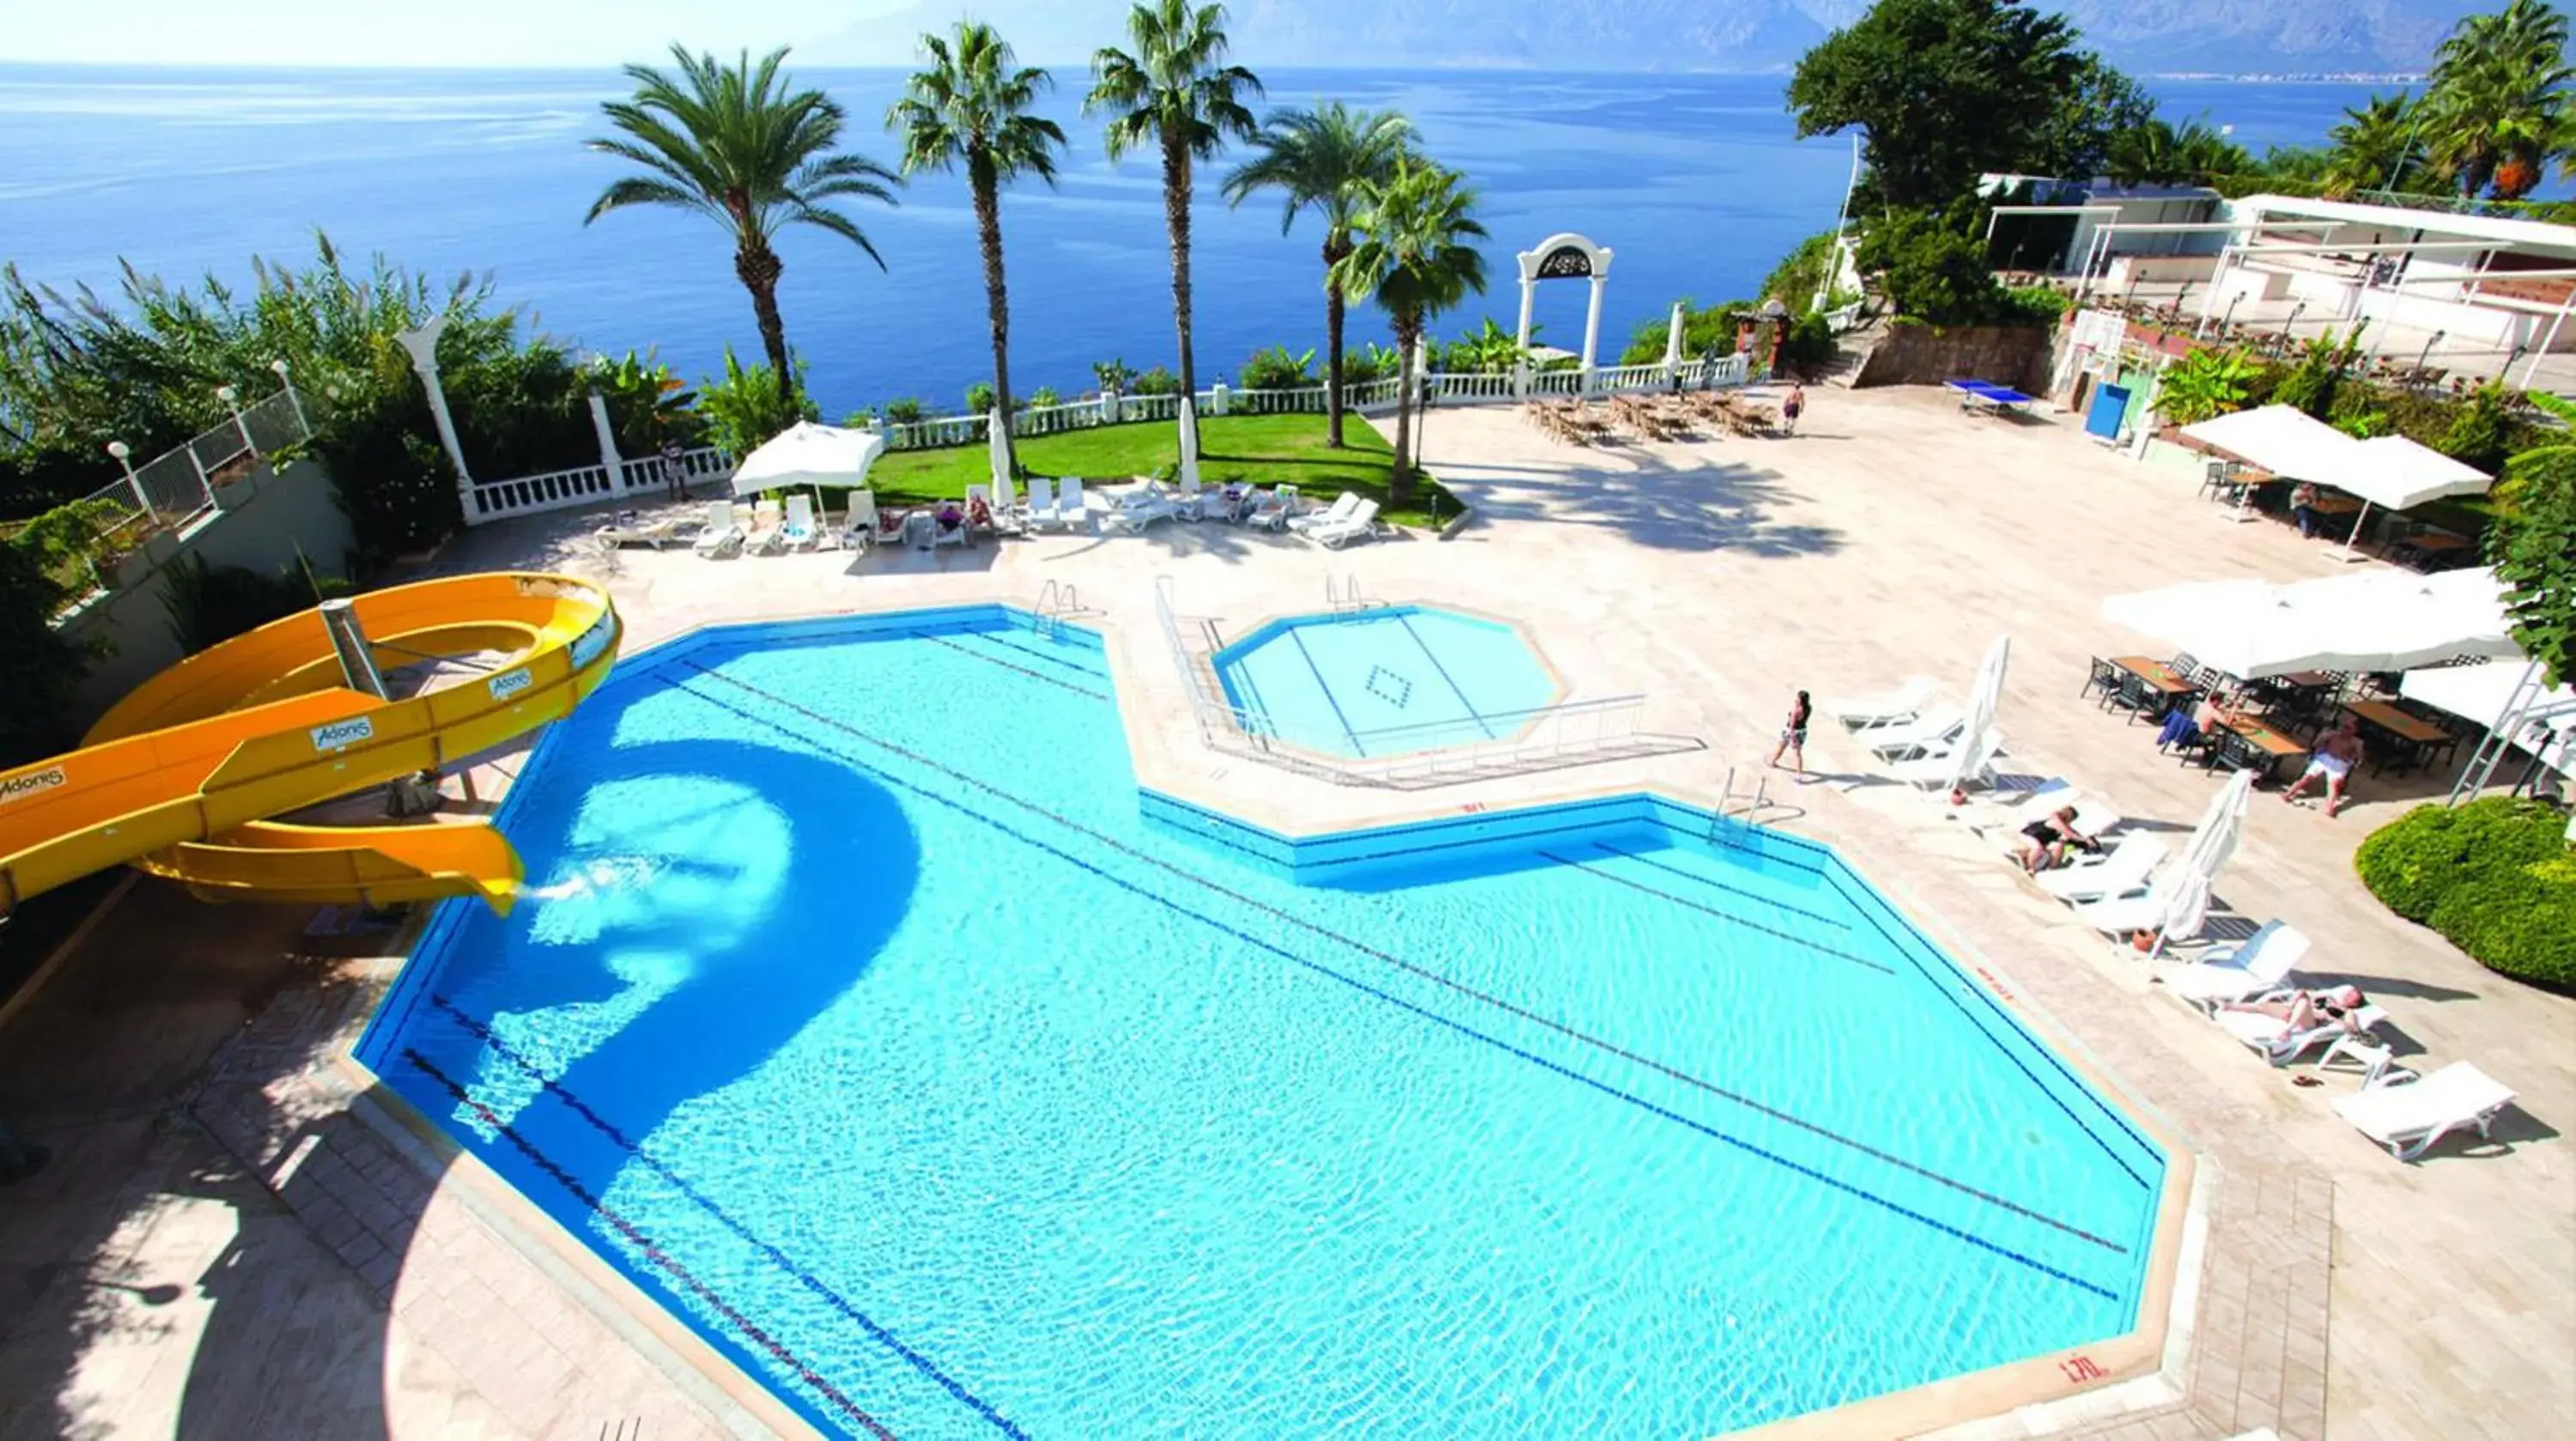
[1697, 182]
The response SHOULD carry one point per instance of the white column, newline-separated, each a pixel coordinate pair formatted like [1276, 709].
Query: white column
[1592, 327]
[422, 345]
[607, 433]
[1521, 367]
[1217, 399]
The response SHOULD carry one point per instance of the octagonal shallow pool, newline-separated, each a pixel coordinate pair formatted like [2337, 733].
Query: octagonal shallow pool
[954, 1087]
[1386, 681]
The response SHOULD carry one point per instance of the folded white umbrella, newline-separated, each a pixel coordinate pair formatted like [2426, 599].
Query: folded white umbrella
[1986, 696]
[2221, 825]
[807, 454]
[998, 441]
[1189, 442]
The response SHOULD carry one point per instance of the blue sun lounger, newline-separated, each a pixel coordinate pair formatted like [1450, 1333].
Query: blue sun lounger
[1988, 396]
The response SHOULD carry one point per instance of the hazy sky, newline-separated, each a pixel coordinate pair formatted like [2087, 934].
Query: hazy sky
[445, 32]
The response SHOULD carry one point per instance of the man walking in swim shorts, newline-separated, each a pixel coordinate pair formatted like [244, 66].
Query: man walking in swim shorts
[2336, 755]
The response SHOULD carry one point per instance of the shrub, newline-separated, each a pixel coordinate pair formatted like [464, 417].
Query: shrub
[981, 397]
[1114, 375]
[1810, 346]
[2205, 383]
[2493, 876]
[2311, 385]
[1156, 381]
[2035, 304]
[1276, 369]
[1042, 398]
[1704, 332]
[209, 605]
[1368, 363]
[744, 408]
[1931, 269]
[904, 410]
[2480, 433]
[1805, 270]
[859, 419]
[40, 670]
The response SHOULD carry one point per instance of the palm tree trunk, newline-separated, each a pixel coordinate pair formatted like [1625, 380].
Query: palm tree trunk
[997, 299]
[1399, 481]
[1335, 247]
[759, 267]
[1176, 218]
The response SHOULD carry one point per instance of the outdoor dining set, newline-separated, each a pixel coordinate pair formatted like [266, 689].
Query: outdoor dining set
[1668, 417]
[2270, 725]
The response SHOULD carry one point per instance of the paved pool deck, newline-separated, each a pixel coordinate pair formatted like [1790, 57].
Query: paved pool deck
[231, 1243]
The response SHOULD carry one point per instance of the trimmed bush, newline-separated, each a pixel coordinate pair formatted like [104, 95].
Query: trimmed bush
[2494, 877]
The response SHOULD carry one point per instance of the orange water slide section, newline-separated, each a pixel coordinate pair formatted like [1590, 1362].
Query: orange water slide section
[183, 776]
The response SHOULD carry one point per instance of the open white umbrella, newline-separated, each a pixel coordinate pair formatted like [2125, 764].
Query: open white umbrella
[2395, 473]
[1189, 442]
[806, 454]
[2380, 620]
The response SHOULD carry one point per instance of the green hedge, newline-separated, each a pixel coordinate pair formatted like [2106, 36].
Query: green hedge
[2495, 877]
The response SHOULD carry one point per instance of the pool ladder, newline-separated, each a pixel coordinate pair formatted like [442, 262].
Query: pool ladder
[1056, 601]
[1343, 593]
[1756, 800]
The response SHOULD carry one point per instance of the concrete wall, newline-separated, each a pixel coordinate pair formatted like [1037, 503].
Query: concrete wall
[260, 524]
[2014, 355]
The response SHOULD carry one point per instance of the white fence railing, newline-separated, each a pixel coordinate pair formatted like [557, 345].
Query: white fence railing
[1410, 756]
[589, 485]
[593, 484]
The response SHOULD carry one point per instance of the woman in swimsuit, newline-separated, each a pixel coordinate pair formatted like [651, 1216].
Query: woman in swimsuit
[2044, 842]
[1793, 736]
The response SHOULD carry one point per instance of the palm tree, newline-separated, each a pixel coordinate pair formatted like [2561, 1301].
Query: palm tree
[742, 148]
[971, 105]
[1318, 160]
[1412, 248]
[2377, 146]
[2499, 97]
[1175, 91]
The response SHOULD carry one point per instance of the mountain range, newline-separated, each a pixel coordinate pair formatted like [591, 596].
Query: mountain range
[2229, 37]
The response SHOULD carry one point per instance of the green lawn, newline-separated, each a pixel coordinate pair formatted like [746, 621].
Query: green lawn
[1263, 449]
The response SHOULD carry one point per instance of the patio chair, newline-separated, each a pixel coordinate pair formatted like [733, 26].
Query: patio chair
[1343, 505]
[1936, 726]
[1041, 507]
[981, 513]
[2106, 678]
[768, 527]
[1072, 507]
[2408, 1113]
[1277, 511]
[1952, 767]
[1137, 509]
[627, 530]
[952, 524]
[2278, 1041]
[798, 531]
[2120, 871]
[2231, 973]
[1888, 708]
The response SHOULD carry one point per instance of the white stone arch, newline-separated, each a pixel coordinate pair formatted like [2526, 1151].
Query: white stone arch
[1565, 256]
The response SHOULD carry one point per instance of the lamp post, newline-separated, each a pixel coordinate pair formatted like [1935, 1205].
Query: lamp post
[421, 343]
[294, 402]
[125, 457]
[1776, 315]
[2427, 357]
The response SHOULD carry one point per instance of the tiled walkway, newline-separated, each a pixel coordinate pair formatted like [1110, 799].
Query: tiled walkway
[166, 1289]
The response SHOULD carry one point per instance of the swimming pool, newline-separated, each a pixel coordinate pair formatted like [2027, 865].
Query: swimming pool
[865, 1017]
[1385, 681]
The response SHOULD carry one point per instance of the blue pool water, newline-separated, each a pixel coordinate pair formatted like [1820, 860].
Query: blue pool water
[865, 1015]
[1385, 681]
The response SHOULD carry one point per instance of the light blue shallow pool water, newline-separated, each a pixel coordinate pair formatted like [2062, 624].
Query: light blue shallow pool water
[1386, 681]
[865, 1016]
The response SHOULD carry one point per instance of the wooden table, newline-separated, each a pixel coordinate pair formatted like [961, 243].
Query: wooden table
[2413, 740]
[2336, 504]
[2259, 748]
[2151, 684]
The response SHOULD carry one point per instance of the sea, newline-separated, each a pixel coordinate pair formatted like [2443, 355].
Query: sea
[1698, 184]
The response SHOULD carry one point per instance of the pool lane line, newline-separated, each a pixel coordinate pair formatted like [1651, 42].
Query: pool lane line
[1003, 638]
[1057, 681]
[1708, 910]
[1455, 689]
[2006, 1051]
[1422, 972]
[1711, 881]
[662, 1259]
[1326, 687]
[812, 1283]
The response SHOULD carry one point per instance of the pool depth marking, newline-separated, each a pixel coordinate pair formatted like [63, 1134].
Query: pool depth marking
[1424, 646]
[815, 1284]
[664, 1260]
[1411, 968]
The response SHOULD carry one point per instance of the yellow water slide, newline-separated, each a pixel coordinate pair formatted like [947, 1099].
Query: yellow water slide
[185, 776]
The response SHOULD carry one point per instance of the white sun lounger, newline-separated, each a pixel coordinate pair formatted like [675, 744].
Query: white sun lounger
[1932, 729]
[720, 536]
[1893, 708]
[1940, 766]
[1360, 525]
[2263, 963]
[1341, 509]
[768, 529]
[1275, 511]
[2121, 871]
[2408, 1113]
[2119, 915]
[1009, 516]
[2280, 1043]
[628, 530]
[1138, 508]
[859, 522]
[798, 531]
[1072, 508]
[1041, 505]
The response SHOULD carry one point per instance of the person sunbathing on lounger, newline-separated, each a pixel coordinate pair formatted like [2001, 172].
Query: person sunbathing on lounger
[2044, 842]
[2310, 1010]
